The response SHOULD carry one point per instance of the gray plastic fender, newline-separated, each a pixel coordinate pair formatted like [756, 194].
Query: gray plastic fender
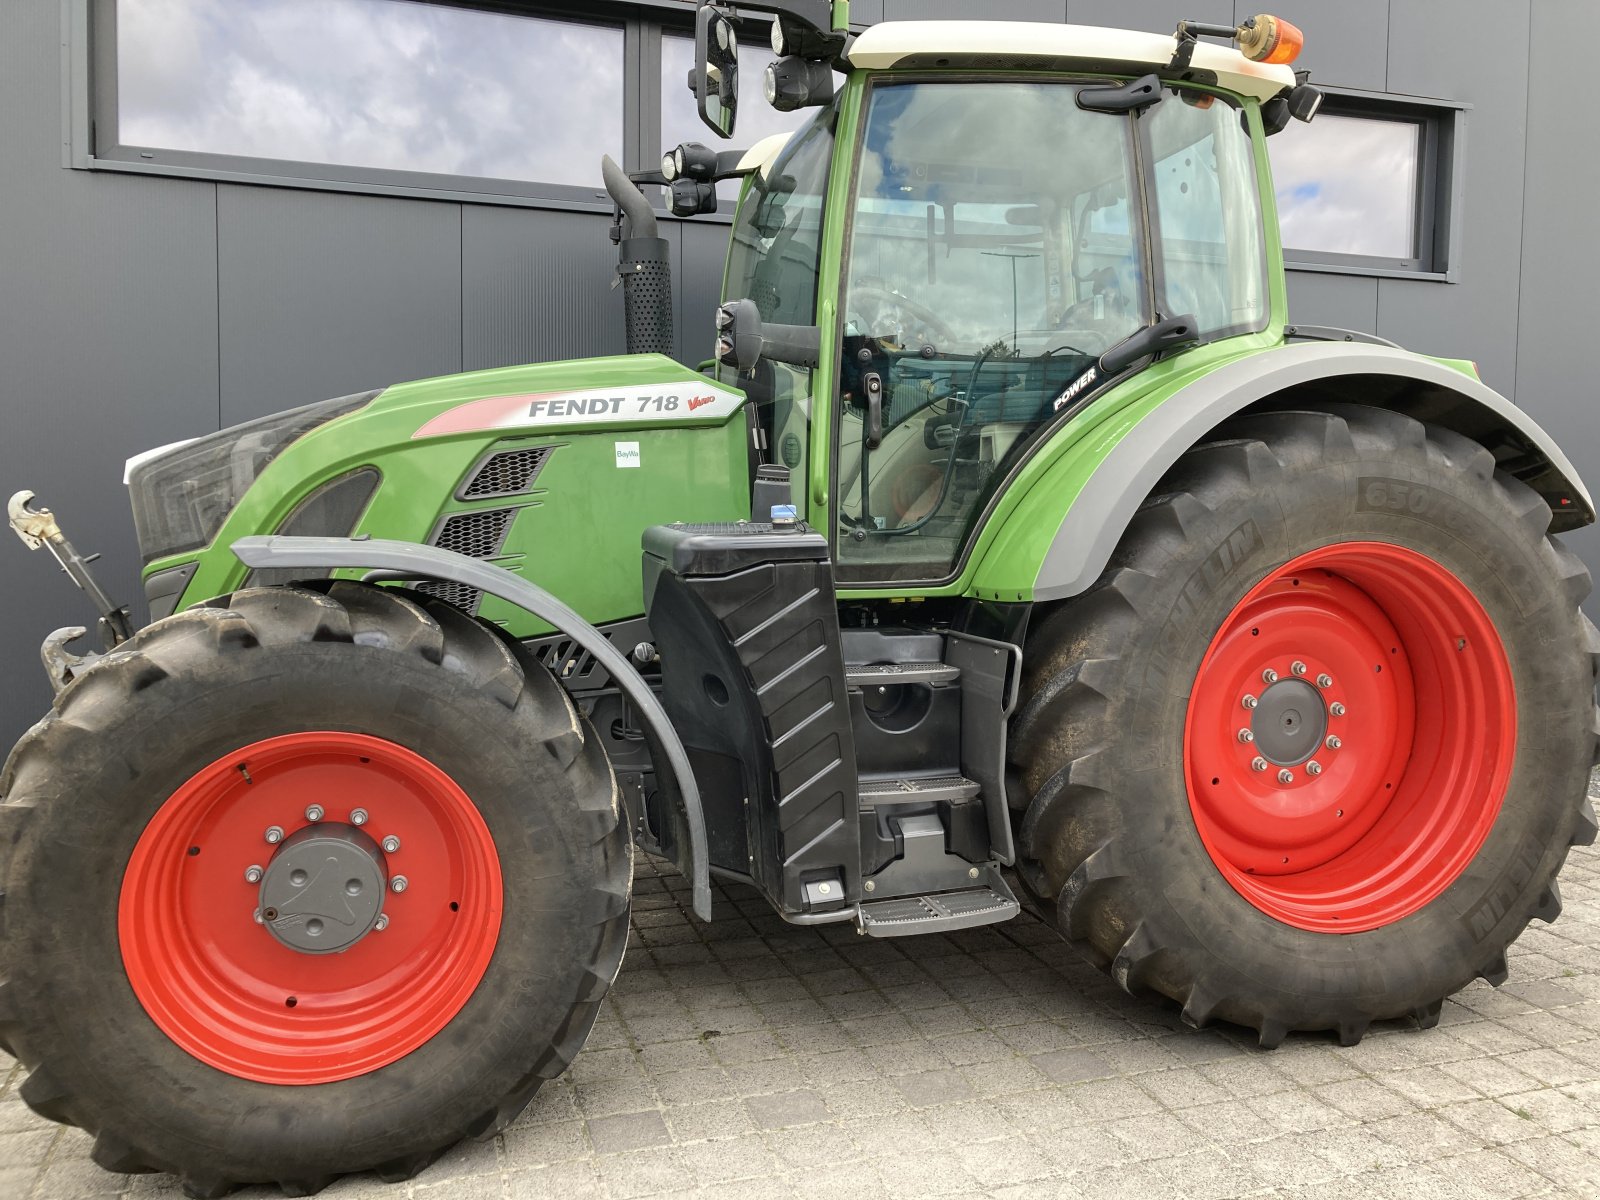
[428, 562]
[1095, 523]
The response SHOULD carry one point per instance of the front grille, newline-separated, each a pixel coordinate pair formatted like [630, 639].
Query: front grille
[475, 534]
[506, 473]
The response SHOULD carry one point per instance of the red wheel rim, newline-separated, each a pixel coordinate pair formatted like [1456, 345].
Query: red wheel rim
[227, 991]
[1388, 666]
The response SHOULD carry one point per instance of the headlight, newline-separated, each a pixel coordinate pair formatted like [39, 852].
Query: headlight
[181, 499]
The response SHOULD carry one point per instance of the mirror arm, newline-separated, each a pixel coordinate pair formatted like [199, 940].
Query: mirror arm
[744, 339]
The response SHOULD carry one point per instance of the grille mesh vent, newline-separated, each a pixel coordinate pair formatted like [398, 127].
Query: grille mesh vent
[508, 473]
[459, 594]
[475, 534]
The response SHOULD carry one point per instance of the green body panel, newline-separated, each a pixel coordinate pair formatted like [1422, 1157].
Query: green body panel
[576, 534]
[1008, 550]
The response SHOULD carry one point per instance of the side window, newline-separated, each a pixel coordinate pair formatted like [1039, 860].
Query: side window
[1206, 214]
[774, 258]
[994, 254]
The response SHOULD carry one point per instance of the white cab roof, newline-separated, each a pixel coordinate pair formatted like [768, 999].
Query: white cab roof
[923, 43]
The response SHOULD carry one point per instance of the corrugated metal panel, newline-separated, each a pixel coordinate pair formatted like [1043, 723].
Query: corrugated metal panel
[323, 294]
[536, 285]
[1157, 16]
[943, 10]
[1433, 56]
[1560, 258]
[699, 275]
[107, 346]
[1347, 301]
[1345, 42]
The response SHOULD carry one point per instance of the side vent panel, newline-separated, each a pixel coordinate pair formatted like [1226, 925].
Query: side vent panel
[476, 535]
[505, 473]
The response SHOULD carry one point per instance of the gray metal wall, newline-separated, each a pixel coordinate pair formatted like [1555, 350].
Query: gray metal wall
[137, 310]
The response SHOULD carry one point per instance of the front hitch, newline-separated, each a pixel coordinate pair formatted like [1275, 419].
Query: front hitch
[37, 528]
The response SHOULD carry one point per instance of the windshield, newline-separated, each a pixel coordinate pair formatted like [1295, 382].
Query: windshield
[992, 259]
[774, 256]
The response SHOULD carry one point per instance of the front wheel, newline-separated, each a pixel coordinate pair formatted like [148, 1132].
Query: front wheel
[1312, 751]
[305, 882]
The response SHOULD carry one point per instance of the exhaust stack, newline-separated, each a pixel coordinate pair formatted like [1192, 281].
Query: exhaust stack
[644, 265]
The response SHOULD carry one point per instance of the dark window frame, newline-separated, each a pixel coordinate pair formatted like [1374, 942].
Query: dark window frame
[1436, 224]
[89, 117]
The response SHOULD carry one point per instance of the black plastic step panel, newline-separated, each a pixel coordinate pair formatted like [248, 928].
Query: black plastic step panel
[746, 623]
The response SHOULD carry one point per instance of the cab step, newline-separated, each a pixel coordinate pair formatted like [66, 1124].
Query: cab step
[885, 674]
[875, 792]
[941, 912]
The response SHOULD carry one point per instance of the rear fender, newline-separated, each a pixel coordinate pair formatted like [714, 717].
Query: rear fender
[408, 560]
[1305, 377]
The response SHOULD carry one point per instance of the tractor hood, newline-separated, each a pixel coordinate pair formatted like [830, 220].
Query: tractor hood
[521, 465]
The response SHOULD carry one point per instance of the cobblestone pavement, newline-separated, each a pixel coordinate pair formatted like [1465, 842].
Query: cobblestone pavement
[751, 1058]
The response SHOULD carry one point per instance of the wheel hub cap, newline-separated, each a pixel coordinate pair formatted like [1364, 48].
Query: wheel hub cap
[1349, 737]
[1289, 722]
[358, 937]
[324, 889]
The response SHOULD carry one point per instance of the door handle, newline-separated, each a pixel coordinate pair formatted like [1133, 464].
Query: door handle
[872, 384]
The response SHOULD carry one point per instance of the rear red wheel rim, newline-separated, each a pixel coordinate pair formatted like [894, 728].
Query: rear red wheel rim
[233, 996]
[1389, 668]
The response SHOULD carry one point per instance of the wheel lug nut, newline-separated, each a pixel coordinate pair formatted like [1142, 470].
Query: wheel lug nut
[274, 834]
[1248, 702]
[1336, 709]
[1258, 764]
[382, 922]
[358, 816]
[1246, 736]
[1269, 676]
[399, 883]
[1297, 667]
[258, 917]
[1324, 681]
[391, 844]
[1313, 767]
[314, 812]
[1286, 776]
[1333, 741]
[252, 874]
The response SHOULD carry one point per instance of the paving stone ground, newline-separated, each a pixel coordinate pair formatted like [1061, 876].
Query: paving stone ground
[749, 1058]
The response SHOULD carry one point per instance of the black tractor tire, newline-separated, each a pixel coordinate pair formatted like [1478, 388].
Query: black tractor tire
[1108, 837]
[82, 785]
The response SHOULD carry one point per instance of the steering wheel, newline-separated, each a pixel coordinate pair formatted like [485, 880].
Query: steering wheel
[882, 305]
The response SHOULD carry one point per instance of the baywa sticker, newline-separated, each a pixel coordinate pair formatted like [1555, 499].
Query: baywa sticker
[641, 404]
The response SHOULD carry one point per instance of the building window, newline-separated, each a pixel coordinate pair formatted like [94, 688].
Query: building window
[1367, 187]
[384, 91]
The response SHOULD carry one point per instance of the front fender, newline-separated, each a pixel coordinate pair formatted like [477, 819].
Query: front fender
[427, 562]
[1121, 465]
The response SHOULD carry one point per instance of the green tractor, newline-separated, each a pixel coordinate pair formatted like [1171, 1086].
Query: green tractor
[1013, 537]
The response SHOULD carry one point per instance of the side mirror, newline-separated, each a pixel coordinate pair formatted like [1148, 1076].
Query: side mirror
[716, 69]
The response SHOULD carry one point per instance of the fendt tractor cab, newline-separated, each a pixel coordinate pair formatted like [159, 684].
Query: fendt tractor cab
[1011, 543]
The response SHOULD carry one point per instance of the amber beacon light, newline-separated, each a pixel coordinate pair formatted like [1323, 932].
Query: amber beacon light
[1270, 39]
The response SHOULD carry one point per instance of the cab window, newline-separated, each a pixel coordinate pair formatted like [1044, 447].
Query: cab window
[991, 259]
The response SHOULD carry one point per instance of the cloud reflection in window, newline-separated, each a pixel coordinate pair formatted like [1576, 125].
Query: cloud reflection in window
[1348, 185]
[372, 83]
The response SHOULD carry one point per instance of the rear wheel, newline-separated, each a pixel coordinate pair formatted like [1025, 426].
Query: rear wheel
[1312, 751]
[305, 882]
